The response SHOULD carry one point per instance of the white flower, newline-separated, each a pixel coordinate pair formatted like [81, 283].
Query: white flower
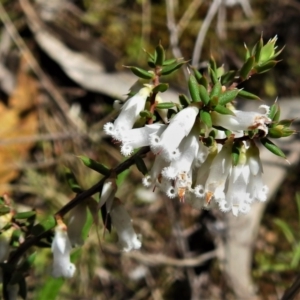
[237, 199]
[139, 137]
[130, 112]
[128, 239]
[255, 188]
[219, 170]
[179, 127]
[61, 248]
[243, 120]
[77, 220]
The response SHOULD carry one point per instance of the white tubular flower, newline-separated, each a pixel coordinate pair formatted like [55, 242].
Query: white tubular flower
[129, 114]
[61, 248]
[218, 174]
[108, 193]
[139, 137]
[128, 239]
[179, 127]
[243, 120]
[255, 188]
[77, 220]
[189, 149]
[237, 198]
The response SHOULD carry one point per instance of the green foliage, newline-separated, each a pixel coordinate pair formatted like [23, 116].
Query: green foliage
[285, 260]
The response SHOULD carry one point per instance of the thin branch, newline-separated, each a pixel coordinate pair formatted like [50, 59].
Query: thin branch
[203, 31]
[31, 241]
[45, 80]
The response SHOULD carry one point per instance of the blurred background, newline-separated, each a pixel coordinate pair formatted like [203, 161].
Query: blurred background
[61, 68]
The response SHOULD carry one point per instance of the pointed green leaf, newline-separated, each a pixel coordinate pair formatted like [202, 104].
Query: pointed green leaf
[193, 88]
[267, 52]
[4, 210]
[228, 77]
[43, 226]
[160, 55]
[223, 110]
[213, 76]
[24, 215]
[94, 165]
[170, 61]
[247, 67]
[206, 118]
[203, 81]
[212, 64]
[273, 110]
[165, 105]
[151, 63]
[247, 95]
[228, 96]
[146, 114]
[162, 87]
[140, 72]
[272, 147]
[72, 182]
[197, 74]
[259, 46]
[266, 66]
[216, 90]
[247, 54]
[171, 68]
[204, 94]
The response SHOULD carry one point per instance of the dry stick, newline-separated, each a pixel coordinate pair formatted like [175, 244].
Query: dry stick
[45, 81]
[75, 201]
[203, 30]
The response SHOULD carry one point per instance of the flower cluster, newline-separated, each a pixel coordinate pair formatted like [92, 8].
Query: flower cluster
[185, 166]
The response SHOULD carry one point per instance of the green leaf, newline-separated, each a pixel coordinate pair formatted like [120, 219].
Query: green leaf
[206, 118]
[140, 72]
[165, 105]
[204, 94]
[151, 63]
[216, 90]
[162, 87]
[272, 147]
[4, 210]
[266, 66]
[170, 61]
[258, 48]
[25, 215]
[160, 55]
[193, 88]
[228, 77]
[43, 226]
[213, 76]
[247, 67]
[203, 81]
[94, 165]
[184, 100]
[286, 230]
[212, 64]
[171, 68]
[223, 110]
[146, 114]
[228, 96]
[247, 95]
[273, 111]
[247, 54]
[50, 289]
[267, 52]
[197, 74]
[140, 164]
[75, 187]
